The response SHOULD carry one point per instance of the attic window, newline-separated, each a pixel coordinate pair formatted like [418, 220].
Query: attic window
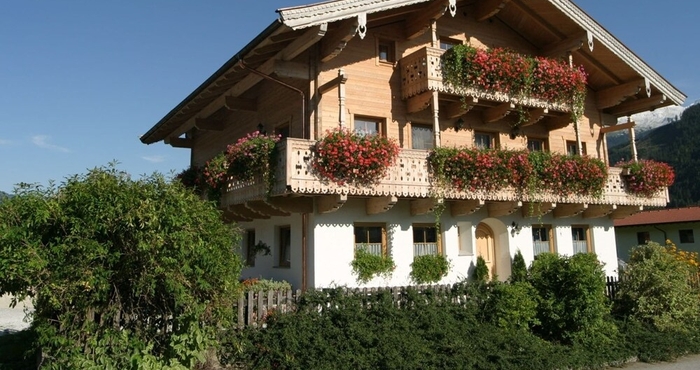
[385, 51]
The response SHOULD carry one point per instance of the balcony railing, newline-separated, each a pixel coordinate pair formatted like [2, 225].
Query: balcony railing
[408, 178]
[422, 71]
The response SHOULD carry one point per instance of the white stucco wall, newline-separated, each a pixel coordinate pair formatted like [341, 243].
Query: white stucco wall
[626, 237]
[331, 243]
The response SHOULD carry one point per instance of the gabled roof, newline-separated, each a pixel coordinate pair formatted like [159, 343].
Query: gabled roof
[661, 216]
[543, 23]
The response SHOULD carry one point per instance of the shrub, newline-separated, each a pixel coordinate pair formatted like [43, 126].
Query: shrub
[111, 263]
[654, 289]
[481, 271]
[571, 297]
[367, 265]
[512, 305]
[251, 156]
[518, 269]
[263, 285]
[429, 268]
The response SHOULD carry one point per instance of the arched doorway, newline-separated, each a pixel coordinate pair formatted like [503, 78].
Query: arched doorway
[486, 247]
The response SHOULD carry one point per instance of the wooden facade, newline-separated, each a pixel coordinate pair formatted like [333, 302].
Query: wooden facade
[336, 63]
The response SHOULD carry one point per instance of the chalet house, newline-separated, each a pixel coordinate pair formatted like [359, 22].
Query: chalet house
[679, 225]
[375, 66]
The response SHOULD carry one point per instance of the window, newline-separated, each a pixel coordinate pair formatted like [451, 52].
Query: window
[371, 237]
[285, 246]
[579, 236]
[571, 148]
[421, 137]
[426, 240]
[642, 237]
[447, 43]
[385, 51]
[542, 240]
[484, 140]
[686, 236]
[368, 126]
[536, 145]
[250, 247]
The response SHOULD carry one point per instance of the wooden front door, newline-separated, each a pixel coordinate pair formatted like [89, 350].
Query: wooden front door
[485, 247]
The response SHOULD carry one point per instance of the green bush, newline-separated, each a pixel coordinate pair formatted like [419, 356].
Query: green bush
[518, 268]
[481, 272]
[654, 288]
[366, 265]
[429, 268]
[512, 305]
[571, 297]
[123, 273]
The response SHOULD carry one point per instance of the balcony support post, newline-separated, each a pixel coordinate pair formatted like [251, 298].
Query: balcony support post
[436, 119]
[633, 142]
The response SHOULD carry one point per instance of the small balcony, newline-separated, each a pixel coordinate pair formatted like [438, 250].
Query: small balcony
[421, 75]
[296, 185]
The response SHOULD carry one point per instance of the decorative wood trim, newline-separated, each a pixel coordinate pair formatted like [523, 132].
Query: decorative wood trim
[420, 22]
[465, 207]
[488, 8]
[424, 205]
[330, 203]
[419, 102]
[615, 95]
[534, 116]
[262, 207]
[376, 205]
[599, 210]
[336, 40]
[499, 209]
[537, 209]
[569, 210]
[238, 103]
[304, 41]
[625, 211]
[618, 127]
[498, 112]
[458, 109]
[179, 142]
[636, 106]
[293, 204]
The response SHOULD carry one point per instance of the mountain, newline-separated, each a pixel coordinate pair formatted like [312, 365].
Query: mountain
[673, 143]
[645, 123]
[4, 195]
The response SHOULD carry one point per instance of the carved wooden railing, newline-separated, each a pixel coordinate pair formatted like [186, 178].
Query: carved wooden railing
[408, 178]
[421, 71]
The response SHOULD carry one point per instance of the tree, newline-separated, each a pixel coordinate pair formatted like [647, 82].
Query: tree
[123, 273]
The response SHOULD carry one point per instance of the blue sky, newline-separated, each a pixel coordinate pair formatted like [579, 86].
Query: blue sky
[81, 80]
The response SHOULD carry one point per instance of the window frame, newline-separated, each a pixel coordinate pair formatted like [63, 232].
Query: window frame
[686, 236]
[438, 237]
[452, 42]
[380, 225]
[643, 235]
[586, 234]
[423, 126]
[380, 122]
[549, 232]
[284, 246]
[572, 143]
[493, 139]
[250, 247]
[390, 46]
[543, 141]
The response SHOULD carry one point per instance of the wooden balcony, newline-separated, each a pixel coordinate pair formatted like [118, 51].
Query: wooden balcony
[296, 185]
[421, 75]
